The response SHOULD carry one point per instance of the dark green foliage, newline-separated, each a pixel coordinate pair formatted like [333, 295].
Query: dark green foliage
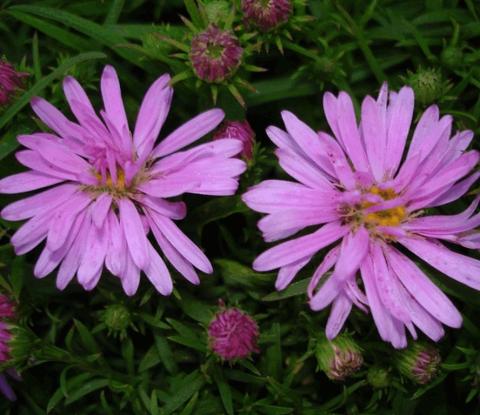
[152, 357]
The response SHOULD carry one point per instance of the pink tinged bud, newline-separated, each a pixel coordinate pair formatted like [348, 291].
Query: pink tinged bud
[239, 130]
[10, 81]
[419, 363]
[215, 54]
[339, 358]
[7, 312]
[266, 14]
[233, 334]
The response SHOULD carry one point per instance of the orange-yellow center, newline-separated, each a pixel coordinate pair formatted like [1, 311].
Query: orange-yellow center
[388, 217]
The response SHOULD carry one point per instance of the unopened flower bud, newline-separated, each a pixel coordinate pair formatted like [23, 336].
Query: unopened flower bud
[233, 334]
[452, 57]
[378, 377]
[215, 54]
[239, 130]
[428, 85]
[266, 14]
[10, 81]
[217, 11]
[117, 318]
[419, 362]
[339, 358]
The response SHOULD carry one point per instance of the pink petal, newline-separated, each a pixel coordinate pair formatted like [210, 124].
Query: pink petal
[340, 311]
[289, 272]
[131, 276]
[158, 274]
[115, 260]
[27, 181]
[112, 98]
[100, 209]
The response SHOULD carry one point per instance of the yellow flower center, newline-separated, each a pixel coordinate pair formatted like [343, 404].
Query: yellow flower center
[388, 217]
[115, 189]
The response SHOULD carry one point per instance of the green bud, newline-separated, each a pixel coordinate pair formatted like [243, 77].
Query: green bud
[452, 57]
[117, 318]
[217, 11]
[338, 358]
[378, 377]
[428, 84]
[419, 362]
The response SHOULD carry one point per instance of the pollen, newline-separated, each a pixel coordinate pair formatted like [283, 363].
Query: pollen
[387, 217]
[115, 188]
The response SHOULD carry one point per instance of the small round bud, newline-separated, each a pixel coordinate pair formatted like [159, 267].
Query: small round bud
[266, 14]
[117, 318]
[10, 81]
[428, 85]
[233, 334]
[419, 362]
[215, 54]
[378, 377]
[452, 57]
[339, 358]
[240, 130]
[217, 11]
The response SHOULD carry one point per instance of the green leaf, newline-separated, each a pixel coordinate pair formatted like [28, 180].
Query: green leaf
[87, 339]
[42, 84]
[62, 36]
[224, 390]
[149, 360]
[85, 389]
[87, 27]
[114, 11]
[192, 384]
[165, 354]
[18, 272]
[238, 273]
[297, 288]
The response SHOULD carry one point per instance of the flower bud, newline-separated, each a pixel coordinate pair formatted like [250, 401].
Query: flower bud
[339, 358]
[452, 57]
[233, 334]
[378, 377]
[239, 130]
[117, 318]
[266, 14]
[10, 81]
[428, 85]
[215, 54]
[217, 11]
[420, 362]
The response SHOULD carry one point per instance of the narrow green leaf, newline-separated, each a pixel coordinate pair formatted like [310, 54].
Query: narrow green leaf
[87, 339]
[115, 11]
[43, 83]
[184, 392]
[165, 354]
[297, 288]
[85, 389]
[224, 390]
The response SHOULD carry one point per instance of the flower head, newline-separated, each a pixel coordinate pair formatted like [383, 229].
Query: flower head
[419, 362]
[215, 54]
[266, 14]
[107, 188]
[357, 186]
[233, 334]
[10, 81]
[339, 358]
[239, 130]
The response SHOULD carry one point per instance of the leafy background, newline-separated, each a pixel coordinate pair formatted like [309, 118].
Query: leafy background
[160, 364]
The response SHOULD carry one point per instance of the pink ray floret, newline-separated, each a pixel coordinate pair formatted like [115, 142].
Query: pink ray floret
[367, 188]
[108, 188]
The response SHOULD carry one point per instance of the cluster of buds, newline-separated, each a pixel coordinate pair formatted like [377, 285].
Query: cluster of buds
[233, 334]
[419, 362]
[10, 81]
[7, 313]
[338, 358]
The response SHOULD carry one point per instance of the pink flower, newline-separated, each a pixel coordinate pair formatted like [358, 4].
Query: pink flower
[266, 14]
[240, 130]
[10, 81]
[233, 334]
[109, 189]
[215, 54]
[358, 187]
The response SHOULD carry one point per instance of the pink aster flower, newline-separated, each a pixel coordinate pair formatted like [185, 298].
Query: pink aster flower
[240, 130]
[10, 81]
[215, 54]
[368, 188]
[108, 188]
[233, 334]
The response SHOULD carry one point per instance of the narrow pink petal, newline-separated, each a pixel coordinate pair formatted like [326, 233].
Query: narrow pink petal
[100, 208]
[74, 92]
[131, 276]
[426, 133]
[353, 250]
[291, 251]
[132, 226]
[183, 245]
[38, 164]
[54, 119]
[189, 132]
[456, 191]
[158, 274]
[459, 267]
[174, 257]
[152, 114]
[288, 273]
[62, 220]
[168, 186]
[173, 210]
[33, 205]
[115, 259]
[400, 117]
[112, 98]
[27, 181]
[338, 315]
[428, 295]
